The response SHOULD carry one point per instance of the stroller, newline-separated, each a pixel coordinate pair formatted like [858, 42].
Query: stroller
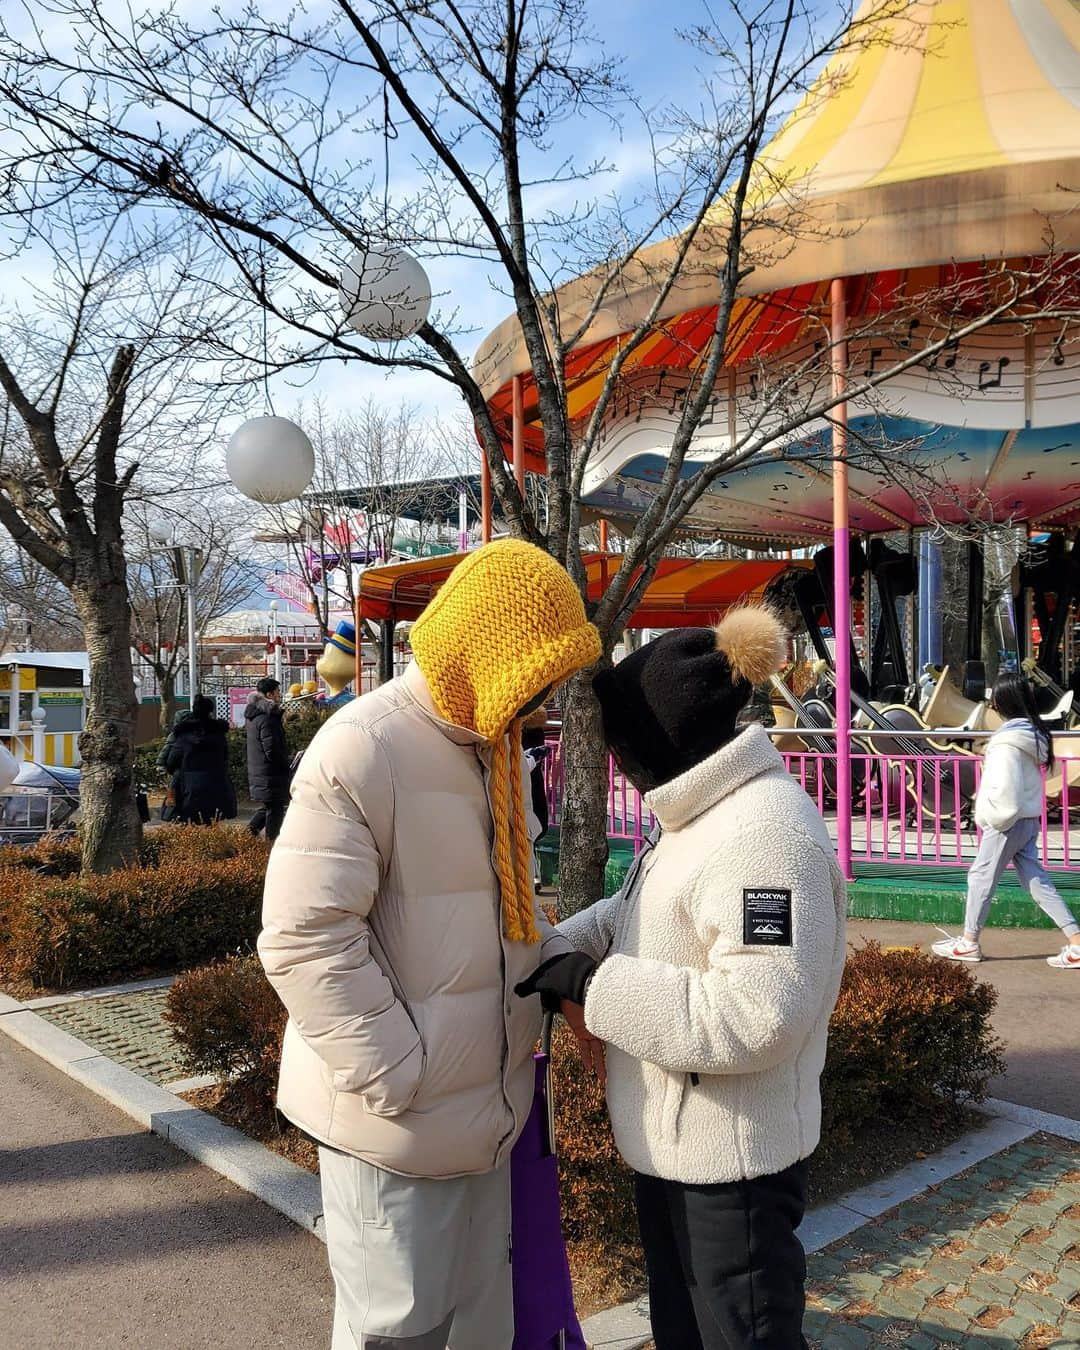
[41, 800]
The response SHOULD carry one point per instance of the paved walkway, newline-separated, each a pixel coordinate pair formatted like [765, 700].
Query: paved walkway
[1038, 1011]
[108, 1229]
[129, 1028]
[986, 1260]
[109, 1237]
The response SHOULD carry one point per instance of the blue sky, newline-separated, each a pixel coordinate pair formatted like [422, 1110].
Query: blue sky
[659, 67]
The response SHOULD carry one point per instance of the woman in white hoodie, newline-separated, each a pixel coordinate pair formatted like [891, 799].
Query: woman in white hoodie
[1008, 809]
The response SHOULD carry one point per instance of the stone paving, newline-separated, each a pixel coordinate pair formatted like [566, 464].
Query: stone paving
[988, 1259]
[127, 1027]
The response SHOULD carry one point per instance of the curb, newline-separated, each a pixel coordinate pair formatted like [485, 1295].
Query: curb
[1064, 1126]
[295, 1192]
[290, 1189]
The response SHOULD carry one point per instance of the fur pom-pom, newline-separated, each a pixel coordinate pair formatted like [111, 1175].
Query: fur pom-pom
[754, 641]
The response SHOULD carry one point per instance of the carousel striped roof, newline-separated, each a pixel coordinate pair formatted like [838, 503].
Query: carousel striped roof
[920, 153]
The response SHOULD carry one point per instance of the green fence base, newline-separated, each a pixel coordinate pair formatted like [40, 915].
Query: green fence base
[906, 893]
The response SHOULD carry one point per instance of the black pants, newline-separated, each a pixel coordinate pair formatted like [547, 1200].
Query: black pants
[271, 814]
[726, 1271]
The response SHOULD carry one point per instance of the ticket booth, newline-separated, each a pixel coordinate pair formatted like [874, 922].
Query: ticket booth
[43, 706]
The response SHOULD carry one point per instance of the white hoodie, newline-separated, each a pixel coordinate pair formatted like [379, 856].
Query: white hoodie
[1011, 788]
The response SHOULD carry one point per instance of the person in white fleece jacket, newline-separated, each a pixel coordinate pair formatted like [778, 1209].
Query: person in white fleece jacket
[711, 977]
[1008, 810]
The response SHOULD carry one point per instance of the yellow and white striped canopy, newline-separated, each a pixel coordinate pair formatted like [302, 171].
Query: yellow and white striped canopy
[953, 138]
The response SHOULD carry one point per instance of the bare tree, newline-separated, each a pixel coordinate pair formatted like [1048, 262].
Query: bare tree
[263, 115]
[159, 597]
[374, 468]
[36, 613]
[95, 373]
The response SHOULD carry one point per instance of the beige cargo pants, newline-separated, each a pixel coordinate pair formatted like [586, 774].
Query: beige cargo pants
[417, 1264]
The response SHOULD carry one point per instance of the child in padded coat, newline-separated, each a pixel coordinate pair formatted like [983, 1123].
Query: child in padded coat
[711, 977]
[1008, 809]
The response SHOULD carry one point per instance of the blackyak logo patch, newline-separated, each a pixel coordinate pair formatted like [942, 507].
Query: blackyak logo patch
[766, 916]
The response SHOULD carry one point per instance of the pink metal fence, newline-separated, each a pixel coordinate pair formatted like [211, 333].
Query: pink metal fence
[907, 808]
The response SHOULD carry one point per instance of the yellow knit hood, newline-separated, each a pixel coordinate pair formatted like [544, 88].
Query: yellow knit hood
[507, 623]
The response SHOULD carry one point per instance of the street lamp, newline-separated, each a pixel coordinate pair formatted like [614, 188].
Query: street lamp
[275, 640]
[186, 561]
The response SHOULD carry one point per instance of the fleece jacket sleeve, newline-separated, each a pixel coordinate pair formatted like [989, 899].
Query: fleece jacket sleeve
[998, 803]
[592, 930]
[754, 1005]
[321, 882]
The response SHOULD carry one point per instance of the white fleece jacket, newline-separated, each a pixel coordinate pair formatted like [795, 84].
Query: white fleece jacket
[722, 959]
[1011, 787]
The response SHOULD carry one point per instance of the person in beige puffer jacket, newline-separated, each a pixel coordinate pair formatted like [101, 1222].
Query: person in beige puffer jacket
[711, 977]
[398, 915]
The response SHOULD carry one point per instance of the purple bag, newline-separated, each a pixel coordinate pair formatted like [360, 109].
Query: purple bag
[544, 1317]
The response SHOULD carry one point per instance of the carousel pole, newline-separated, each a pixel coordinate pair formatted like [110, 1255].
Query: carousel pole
[485, 499]
[519, 436]
[841, 578]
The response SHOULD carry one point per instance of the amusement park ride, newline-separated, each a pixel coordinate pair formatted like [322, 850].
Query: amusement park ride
[935, 167]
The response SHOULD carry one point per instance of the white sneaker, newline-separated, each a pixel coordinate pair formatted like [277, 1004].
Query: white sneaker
[1067, 959]
[957, 949]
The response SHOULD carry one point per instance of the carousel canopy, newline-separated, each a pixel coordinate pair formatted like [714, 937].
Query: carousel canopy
[955, 140]
[685, 592]
[918, 164]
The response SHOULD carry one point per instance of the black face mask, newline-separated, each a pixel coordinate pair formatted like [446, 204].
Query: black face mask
[533, 703]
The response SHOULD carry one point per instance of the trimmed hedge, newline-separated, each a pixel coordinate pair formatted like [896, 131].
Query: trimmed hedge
[910, 1040]
[195, 894]
[228, 1021]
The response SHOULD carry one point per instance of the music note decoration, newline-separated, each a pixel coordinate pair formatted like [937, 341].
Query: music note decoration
[985, 381]
[949, 351]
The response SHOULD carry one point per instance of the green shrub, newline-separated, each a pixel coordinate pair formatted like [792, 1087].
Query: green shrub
[229, 1022]
[195, 894]
[301, 724]
[146, 774]
[237, 743]
[910, 1037]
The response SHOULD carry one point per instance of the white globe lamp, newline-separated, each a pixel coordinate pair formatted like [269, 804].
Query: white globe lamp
[385, 294]
[269, 459]
[161, 532]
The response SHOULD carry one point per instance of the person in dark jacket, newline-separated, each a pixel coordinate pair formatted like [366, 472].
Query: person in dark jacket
[267, 757]
[534, 743]
[198, 759]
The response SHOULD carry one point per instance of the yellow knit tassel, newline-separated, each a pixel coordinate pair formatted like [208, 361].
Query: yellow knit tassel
[519, 924]
[523, 890]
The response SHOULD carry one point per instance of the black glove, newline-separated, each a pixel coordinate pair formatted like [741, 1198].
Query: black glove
[563, 977]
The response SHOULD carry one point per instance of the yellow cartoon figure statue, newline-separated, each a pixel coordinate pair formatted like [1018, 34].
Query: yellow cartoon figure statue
[337, 665]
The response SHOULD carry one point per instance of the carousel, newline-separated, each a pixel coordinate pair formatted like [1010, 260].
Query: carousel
[933, 169]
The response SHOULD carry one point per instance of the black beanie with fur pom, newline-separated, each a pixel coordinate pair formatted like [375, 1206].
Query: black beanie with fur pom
[675, 702]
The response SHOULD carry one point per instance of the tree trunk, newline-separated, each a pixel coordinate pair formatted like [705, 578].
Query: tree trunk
[583, 847]
[169, 705]
[111, 829]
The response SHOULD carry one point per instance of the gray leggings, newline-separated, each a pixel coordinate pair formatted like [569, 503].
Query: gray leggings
[1017, 846]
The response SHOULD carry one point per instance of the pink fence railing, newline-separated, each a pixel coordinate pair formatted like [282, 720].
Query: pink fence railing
[911, 808]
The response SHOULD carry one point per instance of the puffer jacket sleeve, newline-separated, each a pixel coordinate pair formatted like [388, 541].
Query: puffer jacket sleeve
[998, 802]
[754, 1006]
[321, 883]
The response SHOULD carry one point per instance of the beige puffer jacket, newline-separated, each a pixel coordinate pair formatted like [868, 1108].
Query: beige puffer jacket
[382, 934]
[720, 963]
